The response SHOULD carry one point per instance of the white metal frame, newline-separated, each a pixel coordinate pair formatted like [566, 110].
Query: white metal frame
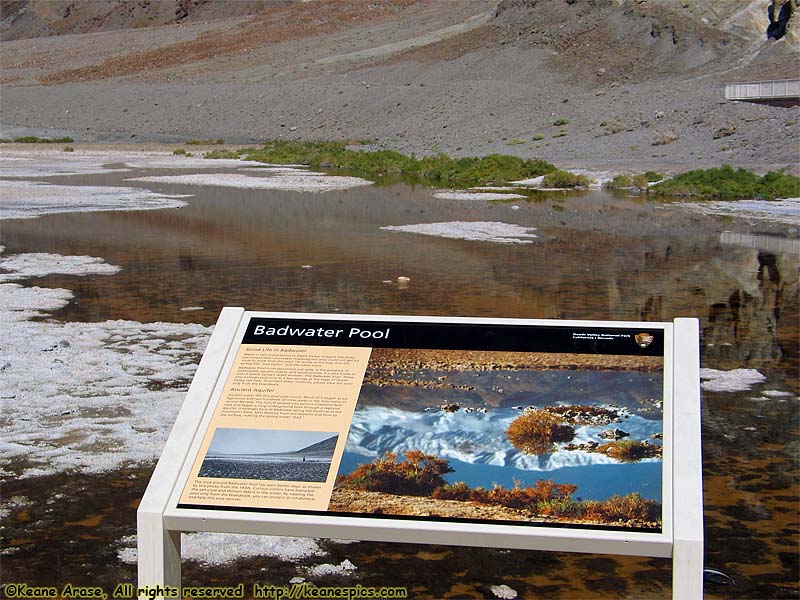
[160, 522]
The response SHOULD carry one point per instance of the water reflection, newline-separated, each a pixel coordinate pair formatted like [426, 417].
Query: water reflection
[596, 257]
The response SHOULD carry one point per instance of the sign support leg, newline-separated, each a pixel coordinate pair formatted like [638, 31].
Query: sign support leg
[159, 553]
[687, 549]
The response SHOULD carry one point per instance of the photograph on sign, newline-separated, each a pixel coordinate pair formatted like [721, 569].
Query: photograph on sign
[269, 454]
[507, 436]
[517, 425]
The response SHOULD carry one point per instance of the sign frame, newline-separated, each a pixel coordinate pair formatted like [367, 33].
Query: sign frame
[160, 521]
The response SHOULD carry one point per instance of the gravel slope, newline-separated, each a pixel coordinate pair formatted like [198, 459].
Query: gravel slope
[640, 86]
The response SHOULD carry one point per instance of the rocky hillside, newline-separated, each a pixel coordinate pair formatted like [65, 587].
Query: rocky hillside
[40, 18]
[629, 81]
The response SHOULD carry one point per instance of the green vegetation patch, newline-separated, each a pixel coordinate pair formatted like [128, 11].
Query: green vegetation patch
[221, 154]
[32, 139]
[728, 183]
[564, 179]
[627, 182]
[218, 142]
[437, 170]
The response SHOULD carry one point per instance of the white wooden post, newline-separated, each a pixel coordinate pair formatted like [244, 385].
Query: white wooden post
[687, 465]
[159, 549]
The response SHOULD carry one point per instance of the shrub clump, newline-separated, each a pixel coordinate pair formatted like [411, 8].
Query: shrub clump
[629, 450]
[537, 431]
[437, 170]
[527, 498]
[549, 499]
[32, 139]
[221, 154]
[418, 475]
[564, 179]
[628, 182]
[665, 137]
[652, 176]
[631, 508]
[728, 183]
[218, 142]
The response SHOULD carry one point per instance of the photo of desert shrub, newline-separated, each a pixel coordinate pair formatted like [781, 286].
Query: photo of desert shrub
[269, 454]
[529, 438]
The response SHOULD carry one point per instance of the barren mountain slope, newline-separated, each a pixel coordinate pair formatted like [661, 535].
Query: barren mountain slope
[637, 80]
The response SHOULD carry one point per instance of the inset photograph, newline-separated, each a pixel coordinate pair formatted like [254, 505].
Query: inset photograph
[269, 454]
[507, 436]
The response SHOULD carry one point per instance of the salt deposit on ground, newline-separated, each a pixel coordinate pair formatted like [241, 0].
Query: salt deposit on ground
[493, 188]
[220, 548]
[482, 231]
[157, 160]
[533, 182]
[503, 591]
[29, 199]
[465, 195]
[325, 570]
[597, 179]
[19, 303]
[736, 380]
[776, 394]
[24, 266]
[53, 162]
[299, 181]
[779, 211]
[11, 503]
[104, 394]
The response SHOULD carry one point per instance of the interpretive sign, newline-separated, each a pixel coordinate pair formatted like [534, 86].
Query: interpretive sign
[554, 435]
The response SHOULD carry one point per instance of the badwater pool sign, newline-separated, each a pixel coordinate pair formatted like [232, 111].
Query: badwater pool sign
[397, 429]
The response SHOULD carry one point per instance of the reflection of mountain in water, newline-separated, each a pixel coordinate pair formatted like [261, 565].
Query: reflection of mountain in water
[474, 438]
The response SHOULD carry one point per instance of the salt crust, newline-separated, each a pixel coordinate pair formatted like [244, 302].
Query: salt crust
[736, 380]
[597, 179]
[52, 163]
[503, 591]
[87, 397]
[221, 548]
[103, 395]
[492, 188]
[465, 195]
[483, 231]
[779, 211]
[23, 266]
[9, 504]
[297, 181]
[325, 570]
[29, 199]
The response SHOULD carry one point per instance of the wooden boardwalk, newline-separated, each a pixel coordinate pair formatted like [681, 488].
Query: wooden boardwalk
[785, 91]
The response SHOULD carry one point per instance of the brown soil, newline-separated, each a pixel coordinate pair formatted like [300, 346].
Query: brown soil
[356, 501]
[403, 359]
[379, 503]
